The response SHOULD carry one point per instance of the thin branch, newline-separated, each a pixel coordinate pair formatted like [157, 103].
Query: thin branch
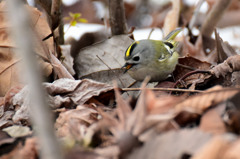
[189, 74]
[40, 112]
[214, 16]
[163, 89]
[196, 14]
[117, 17]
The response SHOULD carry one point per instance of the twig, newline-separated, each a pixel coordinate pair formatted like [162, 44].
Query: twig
[117, 17]
[104, 62]
[40, 112]
[195, 16]
[163, 89]
[189, 74]
[186, 67]
[214, 16]
[150, 33]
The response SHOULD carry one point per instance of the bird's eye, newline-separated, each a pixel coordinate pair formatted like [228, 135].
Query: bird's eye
[136, 58]
[169, 44]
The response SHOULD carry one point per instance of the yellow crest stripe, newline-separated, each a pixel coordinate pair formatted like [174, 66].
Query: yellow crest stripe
[128, 52]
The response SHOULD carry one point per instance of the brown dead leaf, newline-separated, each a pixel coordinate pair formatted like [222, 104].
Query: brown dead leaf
[6, 119]
[224, 50]
[199, 103]
[62, 92]
[8, 96]
[230, 65]
[6, 142]
[212, 121]
[79, 91]
[85, 154]
[74, 123]
[194, 50]
[23, 148]
[172, 145]
[214, 149]
[194, 63]
[162, 104]
[10, 69]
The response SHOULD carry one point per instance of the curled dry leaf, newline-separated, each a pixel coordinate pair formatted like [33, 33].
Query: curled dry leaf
[201, 102]
[194, 63]
[62, 92]
[6, 119]
[230, 65]
[73, 123]
[79, 91]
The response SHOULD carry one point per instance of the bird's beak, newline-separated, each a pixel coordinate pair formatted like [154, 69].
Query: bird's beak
[127, 66]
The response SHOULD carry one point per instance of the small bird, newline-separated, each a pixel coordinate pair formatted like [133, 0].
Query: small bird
[154, 58]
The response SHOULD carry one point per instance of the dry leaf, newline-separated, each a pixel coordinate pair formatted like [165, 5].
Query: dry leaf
[172, 18]
[18, 131]
[172, 145]
[233, 151]
[103, 61]
[194, 63]
[230, 65]
[79, 91]
[74, 123]
[224, 50]
[62, 92]
[214, 149]
[162, 104]
[201, 102]
[68, 59]
[25, 148]
[10, 69]
[6, 119]
[212, 121]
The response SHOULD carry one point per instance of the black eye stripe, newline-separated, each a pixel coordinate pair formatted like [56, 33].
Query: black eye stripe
[169, 44]
[136, 58]
[133, 46]
[130, 49]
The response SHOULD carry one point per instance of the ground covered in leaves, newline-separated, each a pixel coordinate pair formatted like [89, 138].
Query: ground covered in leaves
[103, 113]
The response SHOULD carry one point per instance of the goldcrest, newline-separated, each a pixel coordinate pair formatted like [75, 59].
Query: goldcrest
[154, 58]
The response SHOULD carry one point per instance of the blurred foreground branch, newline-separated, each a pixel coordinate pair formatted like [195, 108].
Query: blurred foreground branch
[40, 112]
[214, 16]
[117, 17]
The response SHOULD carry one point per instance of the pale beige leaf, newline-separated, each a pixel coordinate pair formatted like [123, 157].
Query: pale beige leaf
[18, 131]
[214, 149]
[103, 61]
[233, 151]
[172, 18]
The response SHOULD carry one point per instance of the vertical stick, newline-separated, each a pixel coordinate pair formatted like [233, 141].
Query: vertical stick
[214, 16]
[117, 17]
[41, 117]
